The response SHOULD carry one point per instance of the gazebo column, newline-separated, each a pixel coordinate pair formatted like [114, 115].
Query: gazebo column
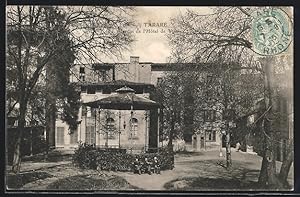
[85, 125]
[95, 111]
[99, 127]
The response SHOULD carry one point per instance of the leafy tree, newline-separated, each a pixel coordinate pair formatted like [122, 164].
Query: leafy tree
[39, 35]
[225, 34]
[200, 87]
[169, 95]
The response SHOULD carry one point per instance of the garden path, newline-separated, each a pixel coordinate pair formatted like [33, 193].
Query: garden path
[201, 164]
[188, 166]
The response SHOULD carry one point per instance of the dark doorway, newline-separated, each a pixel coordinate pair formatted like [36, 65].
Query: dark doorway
[223, 141]
[202, 142]
[195, 142]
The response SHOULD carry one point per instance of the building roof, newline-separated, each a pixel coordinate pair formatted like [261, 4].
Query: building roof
[105, 66]
[180, 66]
[114, 83]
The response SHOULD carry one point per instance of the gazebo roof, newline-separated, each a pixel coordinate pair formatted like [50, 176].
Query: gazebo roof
[124, 100]
[125, 89]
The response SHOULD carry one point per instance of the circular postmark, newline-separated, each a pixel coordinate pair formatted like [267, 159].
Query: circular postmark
[271, 31]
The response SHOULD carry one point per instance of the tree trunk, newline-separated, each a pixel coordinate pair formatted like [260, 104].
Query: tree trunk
[286, 164]
[267, 175]
[50, 106]
[171, 134]
[21, 124]
[270, 157]
[228, 150]
[262, 179]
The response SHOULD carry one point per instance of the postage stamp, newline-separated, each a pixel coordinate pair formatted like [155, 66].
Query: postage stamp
[271, 31]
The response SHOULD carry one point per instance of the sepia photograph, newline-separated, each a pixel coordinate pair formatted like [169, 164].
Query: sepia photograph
[149, 98]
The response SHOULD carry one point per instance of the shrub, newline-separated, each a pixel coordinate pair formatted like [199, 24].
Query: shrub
[90, 157]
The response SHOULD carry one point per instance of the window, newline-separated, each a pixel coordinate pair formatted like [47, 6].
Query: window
[103, 75]
[139, 90]
[106, 91]
[134, 131]
[74, 137]
[88, 112]
[159, 80]
[60, 135]
[209, 115]
[81, 74]
[81, 70]
[210, 136]
[83, 110]
[91, 90]
[93, 112]
[83, 88]
[110, 124]
[81, 77]
[90, 135]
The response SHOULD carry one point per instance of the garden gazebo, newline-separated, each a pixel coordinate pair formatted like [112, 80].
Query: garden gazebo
[126, 99]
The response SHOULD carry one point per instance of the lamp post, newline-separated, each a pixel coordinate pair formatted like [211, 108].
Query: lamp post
[146, 129]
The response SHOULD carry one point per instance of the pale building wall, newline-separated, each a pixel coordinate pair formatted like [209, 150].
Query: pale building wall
[66, 138]
[208, 145]
[134, 72]
[138, 142]
[155, 75]
[142, 127]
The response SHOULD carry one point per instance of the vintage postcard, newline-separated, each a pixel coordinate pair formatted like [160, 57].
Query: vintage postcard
[149, 98]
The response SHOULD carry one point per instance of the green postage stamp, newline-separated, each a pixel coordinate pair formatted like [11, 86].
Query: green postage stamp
[271, 31]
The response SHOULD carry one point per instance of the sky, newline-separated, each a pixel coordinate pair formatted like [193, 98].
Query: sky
[151, 43]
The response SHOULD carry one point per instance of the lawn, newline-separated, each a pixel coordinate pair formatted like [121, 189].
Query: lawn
[67, 177]
[58, 173]
[91, 182]
[193, 171]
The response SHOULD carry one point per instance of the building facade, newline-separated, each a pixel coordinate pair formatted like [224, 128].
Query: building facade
[113, 128]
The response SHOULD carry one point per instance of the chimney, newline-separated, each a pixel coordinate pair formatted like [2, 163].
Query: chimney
[134, 59]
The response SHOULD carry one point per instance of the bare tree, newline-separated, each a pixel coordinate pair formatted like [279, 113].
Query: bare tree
[225, 33]
[37, 34]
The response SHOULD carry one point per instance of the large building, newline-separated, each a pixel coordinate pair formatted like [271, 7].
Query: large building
[130, 129]
[134, 129]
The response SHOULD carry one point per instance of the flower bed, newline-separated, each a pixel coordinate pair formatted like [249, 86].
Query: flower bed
[90, 157]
